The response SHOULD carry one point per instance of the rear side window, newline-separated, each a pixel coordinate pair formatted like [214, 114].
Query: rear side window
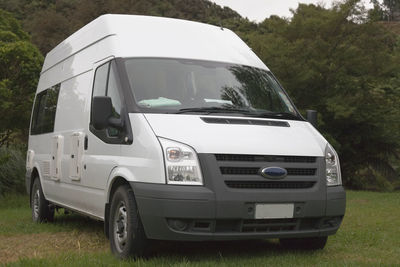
[44, 111]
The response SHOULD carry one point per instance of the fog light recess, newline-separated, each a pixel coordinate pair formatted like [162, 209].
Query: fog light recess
[177, 224]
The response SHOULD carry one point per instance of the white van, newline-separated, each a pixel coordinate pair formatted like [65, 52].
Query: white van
[175, 130]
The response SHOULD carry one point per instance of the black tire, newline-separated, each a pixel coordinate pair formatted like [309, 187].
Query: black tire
[41, 210]
[127, 236]
[309, 243]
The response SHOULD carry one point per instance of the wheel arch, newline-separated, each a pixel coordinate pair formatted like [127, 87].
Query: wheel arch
[118, 177]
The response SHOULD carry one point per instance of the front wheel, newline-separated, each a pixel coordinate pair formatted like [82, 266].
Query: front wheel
[127, 236]
[41, 210]
[309, 243]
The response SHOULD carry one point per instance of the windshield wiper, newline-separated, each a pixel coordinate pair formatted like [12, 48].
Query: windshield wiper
[247, 112]
[279, 115]
[209, 110]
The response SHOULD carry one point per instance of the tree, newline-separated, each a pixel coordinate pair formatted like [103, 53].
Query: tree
[20, 64]
[329, 63]
[393, 9]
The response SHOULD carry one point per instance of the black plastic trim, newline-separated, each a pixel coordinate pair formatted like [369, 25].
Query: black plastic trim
[198, 206]
[246, 122]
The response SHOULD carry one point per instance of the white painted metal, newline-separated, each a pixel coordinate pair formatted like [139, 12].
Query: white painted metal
[296, 140]
[145, 36]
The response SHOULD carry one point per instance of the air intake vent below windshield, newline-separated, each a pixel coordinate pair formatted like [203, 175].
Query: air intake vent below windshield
[246, 122]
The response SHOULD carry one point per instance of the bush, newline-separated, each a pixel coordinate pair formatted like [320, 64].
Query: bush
[12, 171]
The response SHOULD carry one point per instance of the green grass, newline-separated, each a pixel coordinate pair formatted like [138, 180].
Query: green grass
[15, 218]
[369, 236]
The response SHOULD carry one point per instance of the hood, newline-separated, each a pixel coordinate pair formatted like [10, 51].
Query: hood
[218, 137]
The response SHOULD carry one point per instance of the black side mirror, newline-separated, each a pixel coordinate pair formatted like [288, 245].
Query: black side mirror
[102, 115]
[312, 117]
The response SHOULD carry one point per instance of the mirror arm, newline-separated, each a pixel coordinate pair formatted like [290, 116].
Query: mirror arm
[312, 117]
[115, 122]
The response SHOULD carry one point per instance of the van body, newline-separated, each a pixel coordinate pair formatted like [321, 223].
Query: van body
[175, 130]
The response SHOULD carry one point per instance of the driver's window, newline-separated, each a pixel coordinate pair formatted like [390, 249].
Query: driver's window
[105, 84]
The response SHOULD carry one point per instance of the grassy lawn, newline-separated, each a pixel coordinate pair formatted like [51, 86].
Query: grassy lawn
[369, 235]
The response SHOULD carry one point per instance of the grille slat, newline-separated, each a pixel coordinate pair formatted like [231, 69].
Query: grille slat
[270, 185]
[239, 170]
[270, 225]
[265, 158]
[301, 171]
[256, 170]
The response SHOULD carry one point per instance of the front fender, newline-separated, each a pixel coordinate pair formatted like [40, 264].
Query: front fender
[116, 172]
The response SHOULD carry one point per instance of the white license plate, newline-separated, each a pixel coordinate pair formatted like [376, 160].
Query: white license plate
[274, 211]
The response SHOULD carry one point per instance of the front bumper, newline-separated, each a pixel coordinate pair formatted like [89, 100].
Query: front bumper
[193, 213]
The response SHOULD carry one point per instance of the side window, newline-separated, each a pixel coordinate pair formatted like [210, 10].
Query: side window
[105, 84]
[112, 91]
[44, 111]
[38, 109]
[100, 80]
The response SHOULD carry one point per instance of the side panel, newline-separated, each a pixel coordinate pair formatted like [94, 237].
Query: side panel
[82, 186]
[71, 187]
[144, 158]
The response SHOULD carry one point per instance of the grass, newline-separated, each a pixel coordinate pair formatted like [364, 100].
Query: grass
[369, 236]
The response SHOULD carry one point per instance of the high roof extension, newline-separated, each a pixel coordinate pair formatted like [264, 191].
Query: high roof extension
[145, 36]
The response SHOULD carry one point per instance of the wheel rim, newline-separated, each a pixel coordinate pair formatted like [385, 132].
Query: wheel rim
[120, 227]
[36, 203]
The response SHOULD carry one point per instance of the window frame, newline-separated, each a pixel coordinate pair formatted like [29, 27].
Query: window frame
[125, 134]
[133, 107]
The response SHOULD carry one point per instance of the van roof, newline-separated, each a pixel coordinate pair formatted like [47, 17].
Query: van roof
[146, 36]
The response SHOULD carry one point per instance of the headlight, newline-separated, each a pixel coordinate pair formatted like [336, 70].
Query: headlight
[333, 175]
[181, 163]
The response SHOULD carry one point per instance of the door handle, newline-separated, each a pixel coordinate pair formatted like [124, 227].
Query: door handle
[86, 142]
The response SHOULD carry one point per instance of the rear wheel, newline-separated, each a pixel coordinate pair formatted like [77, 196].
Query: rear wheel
[41, 210]
[309, 243]
[127, 236]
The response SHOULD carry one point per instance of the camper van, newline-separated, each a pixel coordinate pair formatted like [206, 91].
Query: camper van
[168, 129]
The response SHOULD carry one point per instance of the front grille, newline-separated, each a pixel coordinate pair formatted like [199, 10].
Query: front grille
[270, 185]
[254, 225]
[269, 225]
[256, 171]
[274, 225]
[265, 158]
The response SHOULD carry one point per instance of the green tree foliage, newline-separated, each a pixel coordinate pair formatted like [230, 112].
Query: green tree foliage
[20, 64]
[386, 10]
[393, 9]
[12, 171]
[347, 71]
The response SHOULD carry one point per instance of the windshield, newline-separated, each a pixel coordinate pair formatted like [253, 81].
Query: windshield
[185, 86]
